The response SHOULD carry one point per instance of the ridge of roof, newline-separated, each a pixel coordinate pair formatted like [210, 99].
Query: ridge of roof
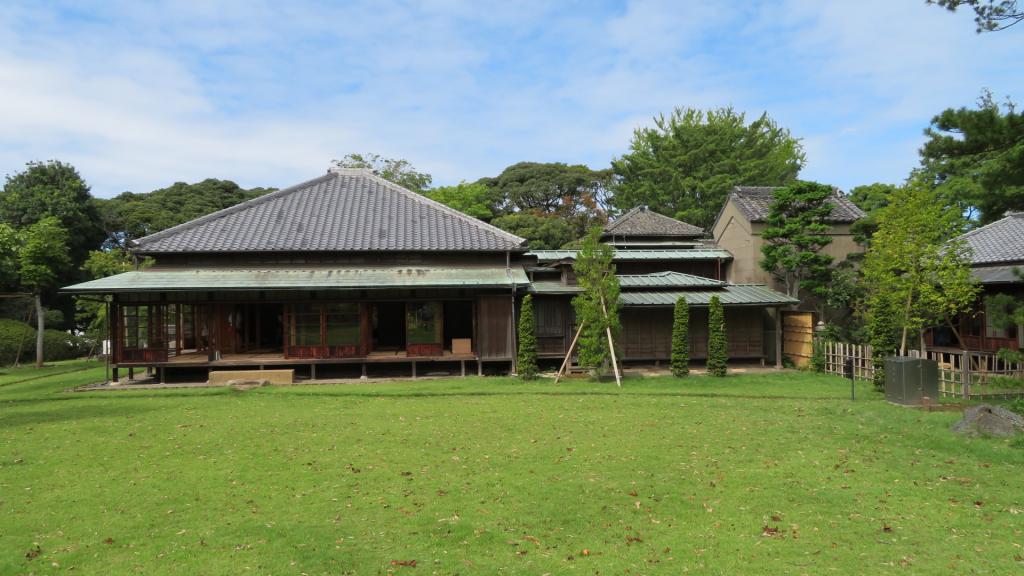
[416, 197]
[670, 226]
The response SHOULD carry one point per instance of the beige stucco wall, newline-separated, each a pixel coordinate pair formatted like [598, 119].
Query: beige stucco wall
[742, 238]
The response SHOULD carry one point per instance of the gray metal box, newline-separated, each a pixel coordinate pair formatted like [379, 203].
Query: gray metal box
[907, 380]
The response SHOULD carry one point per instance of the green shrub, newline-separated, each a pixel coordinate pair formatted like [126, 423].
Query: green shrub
[681, 339]
[718, 349]
[57, 345]
[818, 359]
[527, 362]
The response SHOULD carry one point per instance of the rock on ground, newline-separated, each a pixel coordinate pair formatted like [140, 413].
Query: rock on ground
[989, 420]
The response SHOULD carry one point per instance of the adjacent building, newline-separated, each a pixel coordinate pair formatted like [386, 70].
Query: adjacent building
[741, 222]
[997, 254]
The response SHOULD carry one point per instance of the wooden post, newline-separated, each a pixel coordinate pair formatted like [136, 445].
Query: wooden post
[611, 345]
[363, 376]
[131, 373]
[113, 375]
[568, 354]
[312, 371]
[414, 369]
[965, 374]
[778, 338]
[462, 363]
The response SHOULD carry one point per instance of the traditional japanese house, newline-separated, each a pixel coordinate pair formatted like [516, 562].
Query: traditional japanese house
[347, 268]
[659, 259]
[997, 261]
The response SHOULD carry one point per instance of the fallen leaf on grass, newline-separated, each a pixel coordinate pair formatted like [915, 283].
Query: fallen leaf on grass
[408, 563]
[108, 541]
[886, 528]
[770, 531]
[34, 552]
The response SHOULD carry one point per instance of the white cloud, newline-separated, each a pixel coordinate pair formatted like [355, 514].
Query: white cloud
[138, 96]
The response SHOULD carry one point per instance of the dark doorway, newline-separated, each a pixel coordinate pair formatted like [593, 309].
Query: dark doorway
[389, 326]
[270, 327]
[458, 321]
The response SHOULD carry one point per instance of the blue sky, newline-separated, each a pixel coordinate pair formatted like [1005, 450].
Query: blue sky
[140, 95]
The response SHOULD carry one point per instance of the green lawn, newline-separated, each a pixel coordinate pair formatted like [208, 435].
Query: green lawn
[754, 474]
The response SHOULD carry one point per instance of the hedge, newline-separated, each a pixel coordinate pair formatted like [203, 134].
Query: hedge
[57, 345]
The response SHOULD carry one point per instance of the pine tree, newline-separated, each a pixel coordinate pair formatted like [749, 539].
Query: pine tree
[527, 364]
[718, 352]
[681, 339]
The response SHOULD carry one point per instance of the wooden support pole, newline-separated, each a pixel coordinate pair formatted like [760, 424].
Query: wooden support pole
[414, 369]
[131, 374]
[462, 364]
[113, 375]
[162, 372]
[568, 354]
[611, 345]
[479, 367]
[312, 371]
[363, 376]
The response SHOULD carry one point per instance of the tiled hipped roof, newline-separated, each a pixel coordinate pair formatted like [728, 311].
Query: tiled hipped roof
[755, 201]
[1000, 241]
[344, 210]
[641, 221]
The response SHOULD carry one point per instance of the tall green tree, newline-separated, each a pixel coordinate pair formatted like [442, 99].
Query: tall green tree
[916, 275]
[718, 346]
[688, 162]
[399, 171]
[575, 194]
[681, 338]
[597, 305]
[42, 256]
[795, 232]
[474, 199]
[870, 198]
[543, 232]
[976, 158]
[989, 15]
[526, 365]
[54, 189]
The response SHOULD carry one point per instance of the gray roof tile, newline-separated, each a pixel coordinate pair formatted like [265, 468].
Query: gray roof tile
[641, 221]
[1000, 241]
[755, 201]
[344, 210]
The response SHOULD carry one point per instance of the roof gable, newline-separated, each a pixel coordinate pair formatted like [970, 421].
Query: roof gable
[667, 280]
[1000, 241]
[641, 221]
[344, 210]
[755, 202]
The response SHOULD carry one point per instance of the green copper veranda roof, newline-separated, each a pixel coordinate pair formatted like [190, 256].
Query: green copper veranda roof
[729, 295]
[333, 278]
[630, 255]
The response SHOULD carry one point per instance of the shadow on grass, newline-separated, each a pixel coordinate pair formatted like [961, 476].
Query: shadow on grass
[65, 414]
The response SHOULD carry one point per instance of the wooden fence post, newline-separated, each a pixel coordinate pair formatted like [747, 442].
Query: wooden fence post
[965, 374]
